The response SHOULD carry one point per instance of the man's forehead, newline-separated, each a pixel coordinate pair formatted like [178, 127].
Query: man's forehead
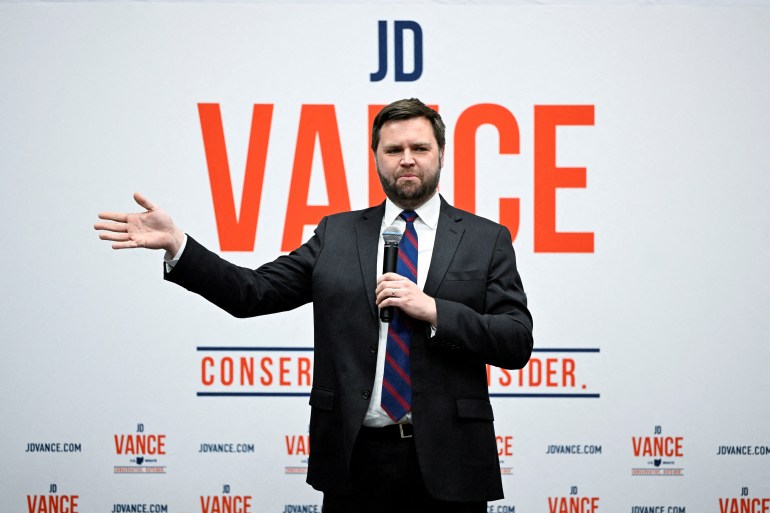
[418, 129]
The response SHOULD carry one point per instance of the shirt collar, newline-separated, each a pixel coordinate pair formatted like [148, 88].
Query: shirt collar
[428, 213]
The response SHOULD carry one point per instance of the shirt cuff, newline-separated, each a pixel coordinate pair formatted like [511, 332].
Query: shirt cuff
[171, 263]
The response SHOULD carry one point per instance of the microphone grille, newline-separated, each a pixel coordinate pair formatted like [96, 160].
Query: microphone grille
[391, 235]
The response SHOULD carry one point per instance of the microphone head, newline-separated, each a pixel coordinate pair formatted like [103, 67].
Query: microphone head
[391, 235]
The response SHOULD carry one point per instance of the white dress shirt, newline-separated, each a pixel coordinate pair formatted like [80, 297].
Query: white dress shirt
[425, 226]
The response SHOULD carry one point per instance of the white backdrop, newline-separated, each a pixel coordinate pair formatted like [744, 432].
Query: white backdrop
[661, 327]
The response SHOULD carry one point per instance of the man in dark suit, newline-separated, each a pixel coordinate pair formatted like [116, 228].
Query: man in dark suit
[400, 413]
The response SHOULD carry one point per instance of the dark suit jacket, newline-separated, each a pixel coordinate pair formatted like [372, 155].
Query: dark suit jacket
[482, 319]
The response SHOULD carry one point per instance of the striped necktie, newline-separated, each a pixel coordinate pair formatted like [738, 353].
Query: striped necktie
[396, 379]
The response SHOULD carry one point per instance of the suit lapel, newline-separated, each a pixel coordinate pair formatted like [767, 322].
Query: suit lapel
[367, 235]
[449, 232]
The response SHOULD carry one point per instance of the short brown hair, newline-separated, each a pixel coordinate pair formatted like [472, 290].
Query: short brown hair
[408, 109]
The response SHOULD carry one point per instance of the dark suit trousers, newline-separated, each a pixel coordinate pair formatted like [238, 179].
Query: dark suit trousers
[386, 478]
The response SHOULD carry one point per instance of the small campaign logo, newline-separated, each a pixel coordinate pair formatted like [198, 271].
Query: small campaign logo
[657, 455]
[142, 450]
[505, 453]
[297, 452]
[745, 503]
[53, 501]
[573, 503]
[226, 502]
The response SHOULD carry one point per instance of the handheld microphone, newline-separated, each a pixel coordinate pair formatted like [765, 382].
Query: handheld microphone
[392, 236]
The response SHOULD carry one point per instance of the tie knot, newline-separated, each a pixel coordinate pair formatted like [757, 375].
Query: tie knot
[408, 215]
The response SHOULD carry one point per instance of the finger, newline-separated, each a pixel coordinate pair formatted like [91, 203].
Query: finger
[119, 237]
[390, 292]
[125, 245]
[393, 292]
[120, 217]
[139, 198]
[391, 277]
[397, 288]
[381, 296]
[387, 287]
[386, 301]
[392, 280]
[112, 227]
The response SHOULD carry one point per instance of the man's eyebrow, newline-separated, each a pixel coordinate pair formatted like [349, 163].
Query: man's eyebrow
[414, 143]
[396, 146]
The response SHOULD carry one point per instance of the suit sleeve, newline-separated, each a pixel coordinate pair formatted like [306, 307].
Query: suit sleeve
[277, 286]
[500, 334]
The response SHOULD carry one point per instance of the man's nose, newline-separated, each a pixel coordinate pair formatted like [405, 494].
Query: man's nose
[407, 159]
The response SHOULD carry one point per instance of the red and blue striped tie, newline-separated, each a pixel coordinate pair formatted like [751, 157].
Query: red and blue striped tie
[396, 379]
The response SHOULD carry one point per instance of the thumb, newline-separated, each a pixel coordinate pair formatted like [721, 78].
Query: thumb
[144, 202]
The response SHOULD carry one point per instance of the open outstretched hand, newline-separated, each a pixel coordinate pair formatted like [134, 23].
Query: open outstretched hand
[153, 229]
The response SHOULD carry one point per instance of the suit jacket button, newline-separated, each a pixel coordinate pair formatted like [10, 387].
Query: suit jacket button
[373, 349]
[366, 394]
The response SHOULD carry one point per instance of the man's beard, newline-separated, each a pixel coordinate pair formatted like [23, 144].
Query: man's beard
[410, 196]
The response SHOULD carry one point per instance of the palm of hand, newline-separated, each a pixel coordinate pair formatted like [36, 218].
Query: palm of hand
[150, 229]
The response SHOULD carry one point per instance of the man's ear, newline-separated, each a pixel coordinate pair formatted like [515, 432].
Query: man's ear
[441, 158]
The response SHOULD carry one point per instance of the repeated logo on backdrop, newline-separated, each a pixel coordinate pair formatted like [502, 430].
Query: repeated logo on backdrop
[499, 507]
[53, 447]
[658, 454]
[580, 449]
[575, 502]
[140, 452]
[746, 502]
[505, 453]
[138, 507]
[301, 508]
[226, 448]
[297, 450]
[658, 509]
[743, 450]
[53, 501]
[227, 501]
